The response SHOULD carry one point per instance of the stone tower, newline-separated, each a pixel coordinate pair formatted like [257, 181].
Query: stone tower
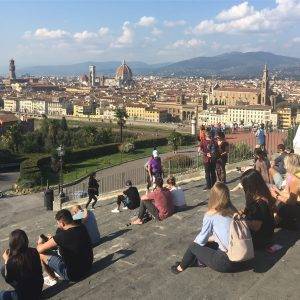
[265, 88]
[12, 70]
[92, 75]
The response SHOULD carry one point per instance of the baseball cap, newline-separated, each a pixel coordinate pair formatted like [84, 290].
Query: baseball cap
[155, 153]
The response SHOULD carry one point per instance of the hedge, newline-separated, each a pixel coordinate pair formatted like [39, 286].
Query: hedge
[30, 170]
[94, 151]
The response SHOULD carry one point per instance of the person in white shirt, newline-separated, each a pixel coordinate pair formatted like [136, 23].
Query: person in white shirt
[177, 194]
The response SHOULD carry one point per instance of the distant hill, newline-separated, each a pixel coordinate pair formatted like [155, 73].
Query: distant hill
[228, 65]
[234, 64]
[105, 68]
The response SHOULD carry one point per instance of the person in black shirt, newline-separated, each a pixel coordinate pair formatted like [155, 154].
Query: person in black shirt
[260, 208]
[130, 198]
[22, 270]
[75, 248]
[93, 191]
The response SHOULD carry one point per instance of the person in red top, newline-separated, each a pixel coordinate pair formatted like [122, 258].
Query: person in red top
[158, 203]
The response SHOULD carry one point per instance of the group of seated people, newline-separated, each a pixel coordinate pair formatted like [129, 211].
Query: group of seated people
[282, 176]
[158, 204]
[68, 255]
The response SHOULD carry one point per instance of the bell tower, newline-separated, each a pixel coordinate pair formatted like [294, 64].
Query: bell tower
[265, 88]
[12, 70]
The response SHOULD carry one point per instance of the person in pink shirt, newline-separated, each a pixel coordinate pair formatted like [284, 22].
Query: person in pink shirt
[158, 203]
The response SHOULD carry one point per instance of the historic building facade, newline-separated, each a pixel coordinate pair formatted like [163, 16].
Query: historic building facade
[243, 96]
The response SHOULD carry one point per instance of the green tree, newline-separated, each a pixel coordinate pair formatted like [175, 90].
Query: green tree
[12, 138]
[175, 139]
[121, 115]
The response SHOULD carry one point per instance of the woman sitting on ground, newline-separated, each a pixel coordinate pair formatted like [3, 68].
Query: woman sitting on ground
[260, 208]
[216, 226]
[177, 193]
[262, 165]
[288, 200]
[88, 219]
[22, 269]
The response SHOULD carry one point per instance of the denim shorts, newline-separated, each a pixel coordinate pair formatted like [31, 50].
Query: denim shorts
[56, 263]
[278, 180]
[8, 295]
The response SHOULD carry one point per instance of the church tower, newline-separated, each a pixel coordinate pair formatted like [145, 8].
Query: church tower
[265, 88]
[12, 70]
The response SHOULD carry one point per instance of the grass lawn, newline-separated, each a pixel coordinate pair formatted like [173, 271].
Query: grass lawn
[76, 170]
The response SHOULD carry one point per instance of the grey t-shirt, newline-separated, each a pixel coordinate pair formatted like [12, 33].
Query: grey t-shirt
[92, 228]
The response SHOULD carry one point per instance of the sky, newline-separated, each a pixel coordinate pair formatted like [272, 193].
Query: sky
[65, 32]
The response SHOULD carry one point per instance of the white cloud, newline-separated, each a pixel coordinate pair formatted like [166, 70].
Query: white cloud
[174, 23]
[44, 33]
[103, 31]
[236, 12]
[146, 21]
[156, 32]
[192, 43]
[84, 35]
[244, 18]
[296, 40]
[125, 38]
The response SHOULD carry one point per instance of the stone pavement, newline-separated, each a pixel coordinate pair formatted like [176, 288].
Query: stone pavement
[134, 261]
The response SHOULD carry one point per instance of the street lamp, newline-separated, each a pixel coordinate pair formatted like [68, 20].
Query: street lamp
[61, 152]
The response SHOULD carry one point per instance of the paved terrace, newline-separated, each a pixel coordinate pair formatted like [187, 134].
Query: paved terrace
[134, 261]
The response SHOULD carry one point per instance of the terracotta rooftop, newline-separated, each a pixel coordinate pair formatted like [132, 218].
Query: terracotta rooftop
[7, 118]
[237, 89]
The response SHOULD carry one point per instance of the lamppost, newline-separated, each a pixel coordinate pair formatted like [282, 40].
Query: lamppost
[121, 123]
[61, 152]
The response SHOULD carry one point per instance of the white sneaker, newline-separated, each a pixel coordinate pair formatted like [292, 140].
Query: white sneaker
[116, 210]
[49, 281]
[125, 208]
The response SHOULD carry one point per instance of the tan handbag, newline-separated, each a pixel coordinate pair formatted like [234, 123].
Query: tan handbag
[240, 246]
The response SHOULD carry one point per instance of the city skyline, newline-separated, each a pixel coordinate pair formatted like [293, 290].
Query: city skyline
[66, 32]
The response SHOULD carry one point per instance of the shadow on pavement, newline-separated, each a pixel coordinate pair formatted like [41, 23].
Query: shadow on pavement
[113, 235]
[98, 266]
[264, 261]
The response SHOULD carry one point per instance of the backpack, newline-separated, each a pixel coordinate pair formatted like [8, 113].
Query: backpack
[240, 246]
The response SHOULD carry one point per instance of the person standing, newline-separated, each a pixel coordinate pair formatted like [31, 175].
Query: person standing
[223, 149]
[209, 150]
[93, 191]
[261, 136]
[155, 166]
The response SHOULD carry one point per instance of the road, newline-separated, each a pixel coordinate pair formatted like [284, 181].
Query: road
[7, 180]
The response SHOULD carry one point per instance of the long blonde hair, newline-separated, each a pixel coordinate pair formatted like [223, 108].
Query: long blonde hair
[219, 200]
[292, 163]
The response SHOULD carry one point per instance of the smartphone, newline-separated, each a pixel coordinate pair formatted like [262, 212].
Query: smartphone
[44, 238]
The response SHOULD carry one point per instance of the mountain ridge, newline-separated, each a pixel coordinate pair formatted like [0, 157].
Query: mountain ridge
[227, 65]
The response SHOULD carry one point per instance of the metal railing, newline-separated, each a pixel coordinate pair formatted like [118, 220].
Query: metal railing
[177, 165]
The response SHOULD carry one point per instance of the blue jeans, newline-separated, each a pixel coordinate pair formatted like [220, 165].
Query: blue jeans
[56, 263]
[8, 295]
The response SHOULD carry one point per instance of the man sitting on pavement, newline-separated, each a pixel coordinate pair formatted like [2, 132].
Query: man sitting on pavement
[158, 203]
[75, 257]
[130, 198]
[87, 218]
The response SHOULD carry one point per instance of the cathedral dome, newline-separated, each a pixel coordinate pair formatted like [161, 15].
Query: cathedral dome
[124, 72]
